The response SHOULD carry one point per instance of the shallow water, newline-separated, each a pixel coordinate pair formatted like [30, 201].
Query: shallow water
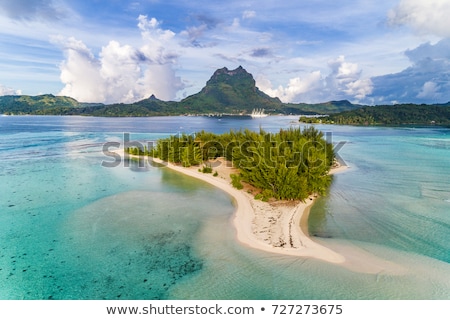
[72, 229]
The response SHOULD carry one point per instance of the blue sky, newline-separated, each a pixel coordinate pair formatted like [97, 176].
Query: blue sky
[370, 52]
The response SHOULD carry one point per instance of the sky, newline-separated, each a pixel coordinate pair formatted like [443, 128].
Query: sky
[108, 51]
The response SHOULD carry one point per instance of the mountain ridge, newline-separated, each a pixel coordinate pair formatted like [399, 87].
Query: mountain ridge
[226, 92]
[232, 92]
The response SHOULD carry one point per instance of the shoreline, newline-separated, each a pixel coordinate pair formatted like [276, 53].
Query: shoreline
[274, 228]
[282, 227]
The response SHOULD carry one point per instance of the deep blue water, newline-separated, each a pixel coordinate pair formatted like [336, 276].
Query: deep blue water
[71, 228]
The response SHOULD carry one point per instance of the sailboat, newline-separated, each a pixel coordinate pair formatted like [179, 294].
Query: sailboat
[258, 113]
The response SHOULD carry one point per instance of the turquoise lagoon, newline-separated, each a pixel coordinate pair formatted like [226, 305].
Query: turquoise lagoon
[71, 228]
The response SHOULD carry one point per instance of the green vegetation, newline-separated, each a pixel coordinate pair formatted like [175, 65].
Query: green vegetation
[36, 104]
[135, 151]
[207, 169]
[264, 196]
[312, 120]
[394, 115]
[236, 181]
[181, 149]
[330, 107]
[290, 164]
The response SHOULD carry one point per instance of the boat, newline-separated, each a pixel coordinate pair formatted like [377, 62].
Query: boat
[258, 113]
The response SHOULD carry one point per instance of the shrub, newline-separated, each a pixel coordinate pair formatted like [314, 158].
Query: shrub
[236, 181]
[267, 194]
[207, 169]
[259, 196]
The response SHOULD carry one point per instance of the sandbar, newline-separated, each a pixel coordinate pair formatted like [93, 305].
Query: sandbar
[281, 227]
[271, 227]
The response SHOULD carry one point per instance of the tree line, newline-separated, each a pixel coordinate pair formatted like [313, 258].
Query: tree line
[290, 164]
[403, 114]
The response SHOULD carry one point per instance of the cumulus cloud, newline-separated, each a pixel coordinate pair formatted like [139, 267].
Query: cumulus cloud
[81, 73]
[427, 80]
[298, 88]
[34, 9]
[343, 82]
[438, 51]
[5, 91]
[359, 89]
[121, 73]
[152, 33]
[429, 16]
[429, 90]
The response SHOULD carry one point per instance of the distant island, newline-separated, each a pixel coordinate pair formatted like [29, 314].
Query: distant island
[231, 92]
[402, 114]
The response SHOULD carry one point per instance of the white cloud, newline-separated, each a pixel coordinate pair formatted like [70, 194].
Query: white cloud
[295, 89]
[431, 16]
[80, 73]
[343, 82]
[121, 73]
[342, 73]
[151, 31]
[359, 89]
[345, 78]
[5, 91]
[426, 80]
[429, 90]
[438, 51]
[290, 43]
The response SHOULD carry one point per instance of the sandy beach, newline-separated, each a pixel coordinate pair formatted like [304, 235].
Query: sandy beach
[281, 227]
[272, 227]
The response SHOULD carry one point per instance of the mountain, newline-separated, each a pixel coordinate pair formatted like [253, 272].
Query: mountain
[321, 108]
[34, 104]
[230, 91]
[151, 106]
[227, 92]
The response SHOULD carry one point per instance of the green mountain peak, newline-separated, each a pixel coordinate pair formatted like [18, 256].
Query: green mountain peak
[230, 91]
